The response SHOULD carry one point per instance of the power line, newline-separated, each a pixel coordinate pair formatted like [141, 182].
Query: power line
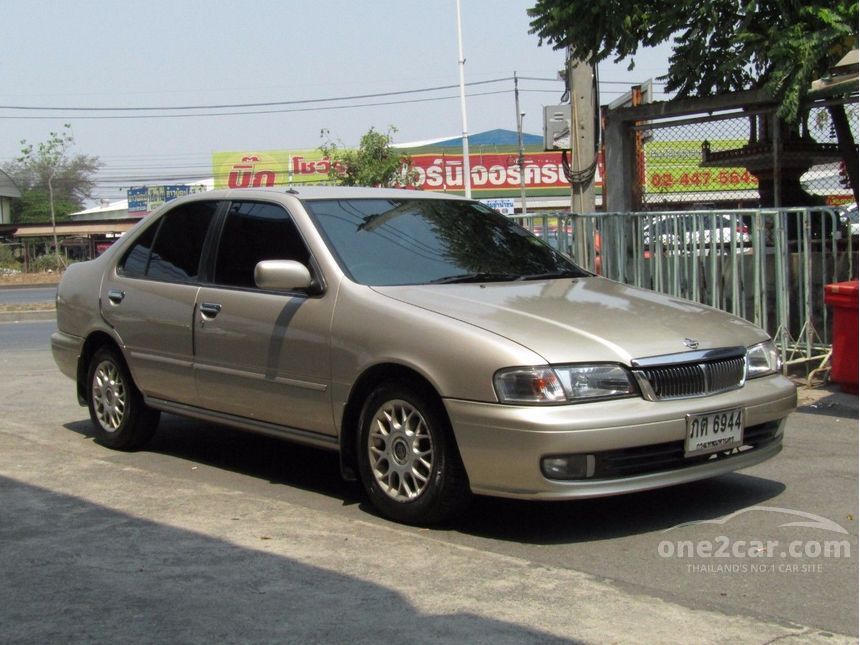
[226, 106]
[233, 106]
[252, 112]
[602, 81]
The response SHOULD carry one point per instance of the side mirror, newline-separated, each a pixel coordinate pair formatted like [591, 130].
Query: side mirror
[282, 275]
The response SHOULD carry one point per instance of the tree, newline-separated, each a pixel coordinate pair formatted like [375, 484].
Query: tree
[52, 182]
[719, 46]
[374, 163]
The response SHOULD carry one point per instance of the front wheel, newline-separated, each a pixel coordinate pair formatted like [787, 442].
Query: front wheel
[409, 464]
[121, 419]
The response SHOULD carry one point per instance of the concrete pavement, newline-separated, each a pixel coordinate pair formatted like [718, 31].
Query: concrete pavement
[96, 548]
[93, 550]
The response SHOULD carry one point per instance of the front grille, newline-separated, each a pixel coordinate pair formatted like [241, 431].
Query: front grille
[660, 457]
[695, 379]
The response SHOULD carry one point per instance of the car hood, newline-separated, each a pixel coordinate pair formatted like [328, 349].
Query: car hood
[585, 319]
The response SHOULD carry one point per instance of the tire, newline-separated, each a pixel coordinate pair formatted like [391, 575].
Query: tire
[122, 420]
[408, 461]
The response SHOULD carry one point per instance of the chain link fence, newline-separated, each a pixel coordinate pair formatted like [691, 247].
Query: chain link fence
[728, 161]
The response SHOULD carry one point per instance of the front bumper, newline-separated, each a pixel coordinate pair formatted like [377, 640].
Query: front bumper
[502, 445]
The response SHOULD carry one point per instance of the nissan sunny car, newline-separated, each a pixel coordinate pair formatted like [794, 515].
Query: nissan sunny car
[441, 349]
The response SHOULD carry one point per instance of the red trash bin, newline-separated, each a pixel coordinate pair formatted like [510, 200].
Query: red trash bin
[842, 298]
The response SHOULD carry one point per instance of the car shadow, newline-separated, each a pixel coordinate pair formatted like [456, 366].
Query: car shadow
[535, 522]
[261, 457]
[96, 574]
[606, 518]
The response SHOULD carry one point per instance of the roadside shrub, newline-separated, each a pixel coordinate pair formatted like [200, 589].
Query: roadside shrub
[7, 258]
[50, 262]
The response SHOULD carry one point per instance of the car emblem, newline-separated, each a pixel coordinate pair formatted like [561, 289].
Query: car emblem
[692, 344]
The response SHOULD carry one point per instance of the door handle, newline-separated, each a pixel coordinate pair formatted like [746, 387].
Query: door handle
[116, 296]
[210, 309]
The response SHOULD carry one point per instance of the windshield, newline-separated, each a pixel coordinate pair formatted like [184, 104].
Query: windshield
[425, 241]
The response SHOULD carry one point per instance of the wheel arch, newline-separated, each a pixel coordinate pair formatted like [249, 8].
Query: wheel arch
[94, 342]
[361, 389]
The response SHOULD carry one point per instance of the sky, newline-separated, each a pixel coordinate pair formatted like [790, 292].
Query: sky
[193, 54]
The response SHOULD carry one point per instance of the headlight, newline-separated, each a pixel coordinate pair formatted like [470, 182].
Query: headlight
[563, 384]
[763, 359]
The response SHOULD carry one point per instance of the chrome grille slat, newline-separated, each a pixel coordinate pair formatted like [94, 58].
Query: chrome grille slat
[695, 379]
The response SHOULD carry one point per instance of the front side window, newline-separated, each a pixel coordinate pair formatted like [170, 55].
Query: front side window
[253, 232]
[174, 253]
[423, 241]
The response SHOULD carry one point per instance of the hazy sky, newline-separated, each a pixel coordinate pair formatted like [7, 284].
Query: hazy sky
[159, 54]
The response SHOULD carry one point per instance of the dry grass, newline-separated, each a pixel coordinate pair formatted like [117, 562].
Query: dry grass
[30, 278]
[31, 306]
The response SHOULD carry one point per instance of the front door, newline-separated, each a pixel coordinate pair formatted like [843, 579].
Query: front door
[263, 355]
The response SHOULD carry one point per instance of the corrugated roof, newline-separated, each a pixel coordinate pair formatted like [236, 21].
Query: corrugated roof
[498, 137]
[7, 186]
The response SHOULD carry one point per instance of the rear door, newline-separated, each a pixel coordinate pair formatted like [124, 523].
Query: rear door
[149, 300]
[263, 355]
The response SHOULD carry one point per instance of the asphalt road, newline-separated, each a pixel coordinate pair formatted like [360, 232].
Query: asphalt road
[26, 337]
[27, 295]
[776, 543]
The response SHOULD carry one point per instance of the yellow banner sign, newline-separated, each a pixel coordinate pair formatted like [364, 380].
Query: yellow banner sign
[267, 168]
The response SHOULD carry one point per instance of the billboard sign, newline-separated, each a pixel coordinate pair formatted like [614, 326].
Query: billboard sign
[145, 199]
[675, 167]
[269, 168]
[493, 175]
[504, 206]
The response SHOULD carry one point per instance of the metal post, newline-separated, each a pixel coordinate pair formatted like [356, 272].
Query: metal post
[521, 158]
[777, 171]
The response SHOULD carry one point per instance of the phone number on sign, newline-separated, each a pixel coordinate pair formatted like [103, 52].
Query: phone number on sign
[702, 179]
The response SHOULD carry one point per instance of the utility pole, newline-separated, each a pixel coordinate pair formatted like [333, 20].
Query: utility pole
[521, 158]
[582, 102]
[467, 170]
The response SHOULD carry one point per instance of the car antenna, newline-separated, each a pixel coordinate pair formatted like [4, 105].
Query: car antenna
[292, 191]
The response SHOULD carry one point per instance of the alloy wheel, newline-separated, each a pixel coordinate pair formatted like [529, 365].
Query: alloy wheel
[109, 396]
[400, 448]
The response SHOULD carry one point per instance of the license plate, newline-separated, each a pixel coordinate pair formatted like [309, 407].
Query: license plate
[713, 432]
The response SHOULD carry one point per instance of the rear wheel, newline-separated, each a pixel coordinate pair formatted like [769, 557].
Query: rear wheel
[121, 419]
[408, 461]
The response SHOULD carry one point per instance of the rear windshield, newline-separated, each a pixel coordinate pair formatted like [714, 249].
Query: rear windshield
[422, 241]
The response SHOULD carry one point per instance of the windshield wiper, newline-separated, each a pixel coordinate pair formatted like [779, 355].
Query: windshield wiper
[476, 277]
[567, 273]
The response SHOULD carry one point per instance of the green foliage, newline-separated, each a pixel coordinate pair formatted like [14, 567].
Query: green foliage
[7, 258]
[47, 169]
[35, 206]
[719, 46]
[374, 163]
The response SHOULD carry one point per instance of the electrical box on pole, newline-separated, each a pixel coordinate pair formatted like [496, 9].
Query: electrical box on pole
[556, 127]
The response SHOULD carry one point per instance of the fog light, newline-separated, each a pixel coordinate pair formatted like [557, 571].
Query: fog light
[568, 466]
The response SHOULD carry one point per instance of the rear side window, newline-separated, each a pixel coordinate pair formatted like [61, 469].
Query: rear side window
[135, 260]
[174, 255]
[253, 232]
